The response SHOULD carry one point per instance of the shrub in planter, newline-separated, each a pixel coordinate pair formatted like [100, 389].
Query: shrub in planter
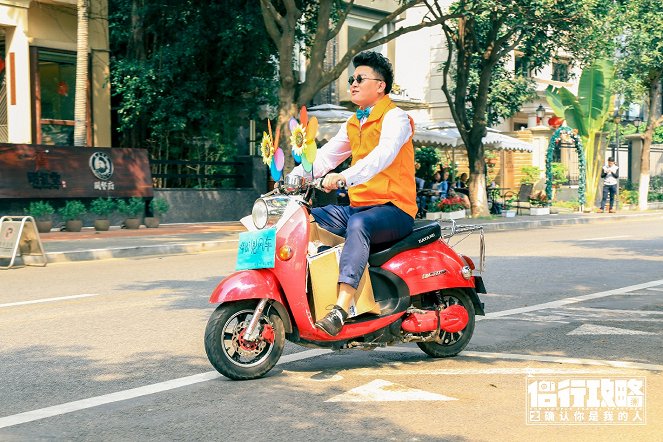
[42, 212]
[132, 209]
[159, 207]
[102, 207]
[71, 213]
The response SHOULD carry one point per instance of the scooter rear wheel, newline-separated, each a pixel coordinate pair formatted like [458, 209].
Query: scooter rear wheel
[452, 343]
[227, 350]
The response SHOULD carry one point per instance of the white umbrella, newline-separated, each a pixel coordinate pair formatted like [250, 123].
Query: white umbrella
[446, 130]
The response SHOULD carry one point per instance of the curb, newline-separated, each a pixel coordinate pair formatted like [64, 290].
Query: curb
[548, 222]
[229, 244]
[139, 251]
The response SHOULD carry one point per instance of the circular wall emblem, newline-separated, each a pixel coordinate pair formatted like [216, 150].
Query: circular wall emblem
[101, 165]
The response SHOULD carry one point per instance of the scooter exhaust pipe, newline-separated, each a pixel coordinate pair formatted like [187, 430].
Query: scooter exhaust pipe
[452, 320]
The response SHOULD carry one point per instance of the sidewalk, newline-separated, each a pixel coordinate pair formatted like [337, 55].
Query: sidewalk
[171, 239]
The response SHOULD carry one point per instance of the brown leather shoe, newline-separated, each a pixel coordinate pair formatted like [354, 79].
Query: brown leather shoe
[613, 211]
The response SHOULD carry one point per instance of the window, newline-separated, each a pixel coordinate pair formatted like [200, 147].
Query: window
[560, 70]
[54, 93]
[521, 66]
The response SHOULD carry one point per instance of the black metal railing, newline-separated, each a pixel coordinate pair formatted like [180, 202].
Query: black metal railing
[194, 174]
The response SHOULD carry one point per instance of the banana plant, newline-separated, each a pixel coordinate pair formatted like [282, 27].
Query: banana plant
[587, 113]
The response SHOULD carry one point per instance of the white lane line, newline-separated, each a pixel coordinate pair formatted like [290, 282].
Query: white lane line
[605, 238]
[571, 300]
[538, 358]
[609, 310]
[39, 301]
[530, 371]
[70, 407]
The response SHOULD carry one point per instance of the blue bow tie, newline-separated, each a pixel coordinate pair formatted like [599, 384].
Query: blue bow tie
[363, 113]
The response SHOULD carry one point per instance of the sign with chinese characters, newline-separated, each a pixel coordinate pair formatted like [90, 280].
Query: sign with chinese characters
[256, 250]
[586, 401]
[31, 171]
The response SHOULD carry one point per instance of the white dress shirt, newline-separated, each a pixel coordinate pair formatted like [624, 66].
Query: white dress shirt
[396, 131]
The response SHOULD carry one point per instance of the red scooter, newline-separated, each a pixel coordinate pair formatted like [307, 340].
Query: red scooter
[426, 292]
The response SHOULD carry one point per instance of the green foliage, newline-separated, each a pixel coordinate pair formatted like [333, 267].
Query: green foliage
[559, 174]
[481, 44]
[427, 157]
[187, 74]
[587, 113]
[40, 210]
[132, 208]
[102, 207]
[628, 196]
[532, 174]
[72, 210]
[640, 54]
[574, 205]
[159, 206]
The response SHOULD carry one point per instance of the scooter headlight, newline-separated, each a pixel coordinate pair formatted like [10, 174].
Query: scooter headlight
[267, 211]
[260, 213]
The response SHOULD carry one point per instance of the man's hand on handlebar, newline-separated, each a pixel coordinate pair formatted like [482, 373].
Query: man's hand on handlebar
[333, 181]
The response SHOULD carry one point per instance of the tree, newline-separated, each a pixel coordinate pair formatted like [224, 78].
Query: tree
[480, 42]
[186, 74]
[640, 67]
[311, 25]
[82, 46]
[587, 113]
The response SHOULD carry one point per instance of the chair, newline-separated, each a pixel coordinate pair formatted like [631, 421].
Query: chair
[524, 194]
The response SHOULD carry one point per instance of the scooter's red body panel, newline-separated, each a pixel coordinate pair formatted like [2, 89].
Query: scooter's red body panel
[428, 268]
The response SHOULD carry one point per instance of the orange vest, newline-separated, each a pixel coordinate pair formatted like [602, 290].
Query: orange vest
[394, 184]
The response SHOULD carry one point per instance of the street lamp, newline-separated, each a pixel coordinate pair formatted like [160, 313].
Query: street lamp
[540, 113]
[636, 122]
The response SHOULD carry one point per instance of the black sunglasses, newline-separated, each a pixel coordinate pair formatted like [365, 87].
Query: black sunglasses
[360, 78]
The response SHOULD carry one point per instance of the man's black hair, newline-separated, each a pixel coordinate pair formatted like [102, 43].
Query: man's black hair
[379, 63]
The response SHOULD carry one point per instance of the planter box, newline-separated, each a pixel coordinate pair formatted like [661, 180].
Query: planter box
[511, 213]
[536, 211]
[433, 215]
[453, 215]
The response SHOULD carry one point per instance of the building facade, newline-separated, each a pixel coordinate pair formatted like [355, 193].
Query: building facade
[38, 72]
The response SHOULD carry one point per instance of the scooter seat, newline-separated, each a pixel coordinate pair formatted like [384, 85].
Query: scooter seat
[422, 234]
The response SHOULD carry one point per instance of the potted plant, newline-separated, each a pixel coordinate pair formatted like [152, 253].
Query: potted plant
[71, 213]
[42, 212]
[102, 207]
[451, 208]
[132, 209]
[539, 204]
[559, 176]
[490, 157]
[159, 206]
[509, 211]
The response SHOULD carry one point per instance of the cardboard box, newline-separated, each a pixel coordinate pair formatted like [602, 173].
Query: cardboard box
[324, 271]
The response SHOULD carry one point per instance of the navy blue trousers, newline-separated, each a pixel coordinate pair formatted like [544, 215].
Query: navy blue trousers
[361, 227]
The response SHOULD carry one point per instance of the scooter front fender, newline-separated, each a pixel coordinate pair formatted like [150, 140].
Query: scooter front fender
[253, 284]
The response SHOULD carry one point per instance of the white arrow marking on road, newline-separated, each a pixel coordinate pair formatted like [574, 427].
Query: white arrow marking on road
[385, 391]
[591, 329]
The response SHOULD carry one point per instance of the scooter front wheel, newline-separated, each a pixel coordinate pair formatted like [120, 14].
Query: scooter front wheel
[452, 343]
[232, 355]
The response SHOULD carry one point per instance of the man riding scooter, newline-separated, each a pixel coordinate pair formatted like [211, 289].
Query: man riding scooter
[380, 179]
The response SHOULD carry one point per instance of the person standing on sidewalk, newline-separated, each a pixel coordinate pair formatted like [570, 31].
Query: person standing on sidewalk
[610, 175]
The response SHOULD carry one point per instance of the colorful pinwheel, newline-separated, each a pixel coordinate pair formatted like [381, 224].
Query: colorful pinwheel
[271, 153]
[302, 139]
